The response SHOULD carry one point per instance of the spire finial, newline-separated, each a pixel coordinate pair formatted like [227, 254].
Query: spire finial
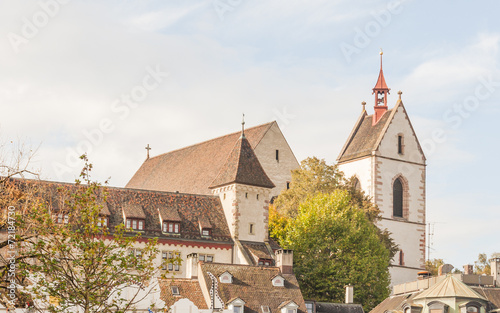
[243, 126]
[363, 104]
[147, 148]
[400, 93]
[381, 54]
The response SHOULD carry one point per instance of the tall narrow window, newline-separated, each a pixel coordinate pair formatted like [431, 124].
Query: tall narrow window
[400, 144]
[357, 184]
[397, 198]
[277, 155]
[401, 258]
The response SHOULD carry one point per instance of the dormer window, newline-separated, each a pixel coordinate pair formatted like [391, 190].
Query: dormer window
[265, 262]
[170, 220]
[61, 218]
[226, 278]
[171, 227]
[175, 290]
[134, 217]
[135, 224]
[278, 281]
[104, 214]
[205, 226]
[288, 307]
[236, 306]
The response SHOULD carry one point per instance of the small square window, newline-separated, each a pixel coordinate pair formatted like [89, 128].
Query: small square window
[201, 257]
[205, 232]
[175, 290]
[209, 258]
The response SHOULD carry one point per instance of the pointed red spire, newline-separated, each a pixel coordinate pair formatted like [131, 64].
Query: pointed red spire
[381, 91]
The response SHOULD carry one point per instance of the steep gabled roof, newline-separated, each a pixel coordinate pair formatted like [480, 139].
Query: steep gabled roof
[187, 289]
[253, 284]
[243, 167]
[192, 169]
[365, 138]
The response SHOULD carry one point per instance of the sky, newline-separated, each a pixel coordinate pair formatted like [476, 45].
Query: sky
[109, 77]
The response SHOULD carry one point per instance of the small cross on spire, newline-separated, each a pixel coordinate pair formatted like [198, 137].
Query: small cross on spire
[147, 148]
[243, 126]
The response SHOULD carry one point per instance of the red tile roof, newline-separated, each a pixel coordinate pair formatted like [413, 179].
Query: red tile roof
[243, 167]
[192, 169]
[253, 284]
[189, 209]
[187, 289]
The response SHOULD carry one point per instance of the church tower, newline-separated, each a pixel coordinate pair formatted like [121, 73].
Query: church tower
[244, 190]
[385, 156]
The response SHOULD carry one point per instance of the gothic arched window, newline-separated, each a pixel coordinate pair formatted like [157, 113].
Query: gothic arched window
[397, 198]
[356, 184]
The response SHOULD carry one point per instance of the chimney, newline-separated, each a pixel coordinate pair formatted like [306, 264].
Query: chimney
[192, 266]
[349, 294]
[468, 269]
[284, 260]
[495, 271]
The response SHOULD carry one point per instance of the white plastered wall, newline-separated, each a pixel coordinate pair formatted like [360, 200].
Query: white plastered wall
[279, 171]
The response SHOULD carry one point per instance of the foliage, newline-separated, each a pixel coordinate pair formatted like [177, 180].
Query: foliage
[335, 244]
[15, 202]
[432, 266]
[80, 264]
[482, 265]
[313, 178]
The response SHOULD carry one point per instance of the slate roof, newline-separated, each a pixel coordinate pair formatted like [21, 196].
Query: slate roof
[364, 137]
[253, 285]
[192, 169]
[243, 167]
[492, 294]
[188, 288]
[189, 209]
[325, 307]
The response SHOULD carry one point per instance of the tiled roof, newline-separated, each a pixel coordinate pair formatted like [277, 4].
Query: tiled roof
[256, 250]
[133, 210]
[325, 307]
[449, 287]
[242, 166]
[105, 210]
[492, 294]
[364, 137]
[253, 285]
[169, 214]
[187, 289]
[192, 169]
[204, 222]
[189, 208]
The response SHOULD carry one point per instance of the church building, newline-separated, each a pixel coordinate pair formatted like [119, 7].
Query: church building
[385, 156]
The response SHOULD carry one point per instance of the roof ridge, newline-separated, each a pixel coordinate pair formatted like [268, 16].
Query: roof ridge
[209, 140]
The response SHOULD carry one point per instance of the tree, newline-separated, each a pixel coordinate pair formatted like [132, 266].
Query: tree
[482, 265]
[432, 266]
[316, 177]
[15, 227]
[335, 244]
[81, 265]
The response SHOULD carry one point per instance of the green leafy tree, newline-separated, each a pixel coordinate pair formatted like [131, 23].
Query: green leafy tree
[482, 265]
[316, 177]
[335, 244]
[81, 265]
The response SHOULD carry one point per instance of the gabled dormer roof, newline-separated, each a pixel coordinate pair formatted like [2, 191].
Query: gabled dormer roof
[365, 138]
[242, 167]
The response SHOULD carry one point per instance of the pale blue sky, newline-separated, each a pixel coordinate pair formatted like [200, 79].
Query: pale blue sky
[306, 64]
